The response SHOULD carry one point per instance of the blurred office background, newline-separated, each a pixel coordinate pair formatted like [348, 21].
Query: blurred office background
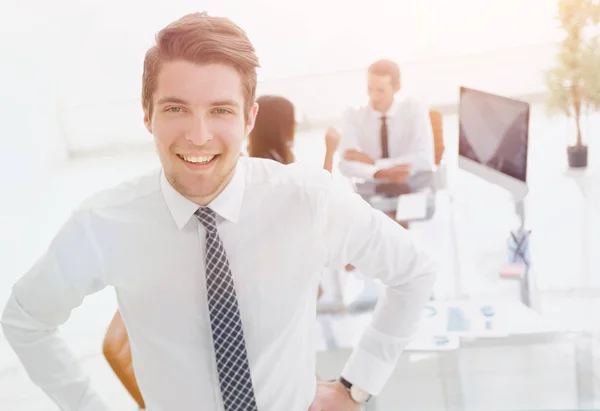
[71, 124]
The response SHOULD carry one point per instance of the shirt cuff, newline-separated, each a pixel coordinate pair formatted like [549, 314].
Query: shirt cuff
[356, 169]
[367, 371]
[370, 171]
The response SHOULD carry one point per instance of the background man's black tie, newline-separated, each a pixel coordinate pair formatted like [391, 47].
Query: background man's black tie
[384, 138]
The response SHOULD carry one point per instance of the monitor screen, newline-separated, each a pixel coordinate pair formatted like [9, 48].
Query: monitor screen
[494, 131]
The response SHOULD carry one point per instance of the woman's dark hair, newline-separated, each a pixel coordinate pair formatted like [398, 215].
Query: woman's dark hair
[273, 130]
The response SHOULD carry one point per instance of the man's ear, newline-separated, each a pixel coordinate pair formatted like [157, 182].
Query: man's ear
[147, 121]
[251, 118]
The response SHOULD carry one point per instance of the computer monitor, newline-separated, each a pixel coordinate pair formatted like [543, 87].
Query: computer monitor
[493, 139]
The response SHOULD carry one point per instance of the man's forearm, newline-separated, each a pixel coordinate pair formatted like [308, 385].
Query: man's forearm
[391, 162]
[392, 326]
[357, 169]
[408, 273]
[383, 250]
[49, 362]
[419, 162]
[328, 162]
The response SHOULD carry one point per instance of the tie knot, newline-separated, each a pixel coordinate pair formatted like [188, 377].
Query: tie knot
[208, 218]
[383, 118]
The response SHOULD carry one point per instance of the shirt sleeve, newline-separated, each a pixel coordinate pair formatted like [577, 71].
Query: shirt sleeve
[381, 249]
[41, 301]
[350, 141]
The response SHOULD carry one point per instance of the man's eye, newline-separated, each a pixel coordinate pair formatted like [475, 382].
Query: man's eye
[174, 109]
[222, 111]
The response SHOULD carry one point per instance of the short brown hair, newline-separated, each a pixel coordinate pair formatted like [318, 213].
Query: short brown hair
[387, 68]
[201, 39]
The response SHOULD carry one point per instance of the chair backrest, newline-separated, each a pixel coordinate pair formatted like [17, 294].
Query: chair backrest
[438, 135]
[118, 355]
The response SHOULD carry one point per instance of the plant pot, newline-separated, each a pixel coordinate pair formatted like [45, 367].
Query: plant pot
[578, 156]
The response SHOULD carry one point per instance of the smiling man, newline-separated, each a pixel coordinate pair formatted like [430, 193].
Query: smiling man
[198, 116]
[218, 300]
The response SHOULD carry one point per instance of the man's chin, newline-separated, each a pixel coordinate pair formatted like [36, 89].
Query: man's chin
[200, 188]
[201, 194]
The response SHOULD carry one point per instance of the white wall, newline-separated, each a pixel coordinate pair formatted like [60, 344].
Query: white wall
[30, 141]
[322, 98]
[513, 72]
[99, 47]
[30, 137]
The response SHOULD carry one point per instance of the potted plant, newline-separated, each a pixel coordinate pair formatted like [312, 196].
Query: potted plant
[574, 83]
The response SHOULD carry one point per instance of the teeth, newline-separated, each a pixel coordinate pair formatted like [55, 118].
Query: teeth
[198, 160]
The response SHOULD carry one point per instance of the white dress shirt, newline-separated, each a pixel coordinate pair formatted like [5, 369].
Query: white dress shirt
[280, 225]
[410, 138]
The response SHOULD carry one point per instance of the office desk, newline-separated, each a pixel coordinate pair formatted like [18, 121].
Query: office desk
[526, 365]
[384, 195]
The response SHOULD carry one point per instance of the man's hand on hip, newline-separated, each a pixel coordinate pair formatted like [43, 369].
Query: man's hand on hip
[333, 396]
[355, 155]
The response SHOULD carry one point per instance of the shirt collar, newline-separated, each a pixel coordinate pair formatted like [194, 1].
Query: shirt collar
[227, 204]
[393, 108]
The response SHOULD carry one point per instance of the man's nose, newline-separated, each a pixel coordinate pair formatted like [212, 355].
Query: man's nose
[199, 132]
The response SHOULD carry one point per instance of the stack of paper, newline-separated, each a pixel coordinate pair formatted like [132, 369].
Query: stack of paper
[412, 206]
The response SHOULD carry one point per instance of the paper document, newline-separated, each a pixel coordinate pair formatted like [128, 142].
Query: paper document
[412, 206]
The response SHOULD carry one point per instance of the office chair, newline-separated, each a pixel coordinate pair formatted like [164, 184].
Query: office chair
[439, 172]
[118, 355]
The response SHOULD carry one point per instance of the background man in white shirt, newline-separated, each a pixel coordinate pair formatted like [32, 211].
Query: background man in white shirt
[216, 258]
[390, 138]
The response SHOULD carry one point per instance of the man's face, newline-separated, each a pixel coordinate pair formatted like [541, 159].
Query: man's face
[198, 124]
[381, 92]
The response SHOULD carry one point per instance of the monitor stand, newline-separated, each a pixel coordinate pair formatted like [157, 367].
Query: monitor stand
[518, 264]
[520, 257]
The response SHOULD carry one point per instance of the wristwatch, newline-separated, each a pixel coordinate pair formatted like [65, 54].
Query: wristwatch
[357, 394]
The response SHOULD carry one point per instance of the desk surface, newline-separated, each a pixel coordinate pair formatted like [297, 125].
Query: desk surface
[527, 365]
[444, 325]
[386, 196]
